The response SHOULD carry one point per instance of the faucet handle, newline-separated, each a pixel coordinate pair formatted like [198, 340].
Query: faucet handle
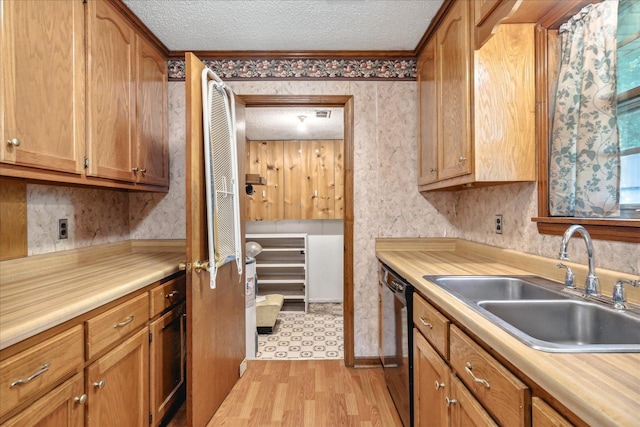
[568, 278]
[618, 295]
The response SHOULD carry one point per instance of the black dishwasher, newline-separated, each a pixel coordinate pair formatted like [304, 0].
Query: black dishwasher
[396, 340]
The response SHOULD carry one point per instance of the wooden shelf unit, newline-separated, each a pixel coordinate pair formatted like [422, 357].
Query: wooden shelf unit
[281, 267]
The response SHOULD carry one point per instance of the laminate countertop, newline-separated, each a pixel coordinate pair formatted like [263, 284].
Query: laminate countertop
[602, 389]
[43, 291]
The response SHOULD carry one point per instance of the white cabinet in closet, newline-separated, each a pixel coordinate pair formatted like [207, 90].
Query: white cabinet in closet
[281, 268]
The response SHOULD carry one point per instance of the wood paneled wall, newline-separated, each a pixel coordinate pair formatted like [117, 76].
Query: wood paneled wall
[305, 179]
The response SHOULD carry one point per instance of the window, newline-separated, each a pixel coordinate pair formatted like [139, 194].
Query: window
[628, 74]
[627, 227]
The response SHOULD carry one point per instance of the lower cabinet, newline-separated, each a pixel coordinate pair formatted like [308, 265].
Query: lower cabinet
[61, 407]
[543, 415]
[117, 385]
[468, 388]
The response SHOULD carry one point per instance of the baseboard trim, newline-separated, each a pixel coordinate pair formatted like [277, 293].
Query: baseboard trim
[366, 362]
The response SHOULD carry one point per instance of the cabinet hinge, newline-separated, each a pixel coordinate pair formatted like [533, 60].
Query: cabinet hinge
[86, 163]
[150, 418]
[150, 337]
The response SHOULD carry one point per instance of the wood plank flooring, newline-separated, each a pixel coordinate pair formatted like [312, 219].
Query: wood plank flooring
[315, 393]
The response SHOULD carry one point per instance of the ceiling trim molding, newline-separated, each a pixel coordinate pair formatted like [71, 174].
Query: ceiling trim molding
[330, 68]
[292, 54]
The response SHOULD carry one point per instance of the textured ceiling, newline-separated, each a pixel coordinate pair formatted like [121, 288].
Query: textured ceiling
[291, 25]
[283, 124]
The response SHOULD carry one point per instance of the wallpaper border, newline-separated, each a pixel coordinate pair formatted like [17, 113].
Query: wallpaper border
[304, 69]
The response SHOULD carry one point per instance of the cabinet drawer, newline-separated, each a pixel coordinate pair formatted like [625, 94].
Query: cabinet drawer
[115, 324]
[433, 325]
[167, 295]
[36, 369]
[506, 398]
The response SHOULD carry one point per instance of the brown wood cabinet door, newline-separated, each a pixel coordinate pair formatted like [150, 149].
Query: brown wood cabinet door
[42, 91]
[427, 115]
[166, 362]
[453, 75]
[430, 385]
[110, 93]
[465, 411]
[61, 407]
[117, 385]
[543, 415]
[152, 155]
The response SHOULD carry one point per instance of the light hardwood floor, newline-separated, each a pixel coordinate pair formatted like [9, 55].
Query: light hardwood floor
[321, 393]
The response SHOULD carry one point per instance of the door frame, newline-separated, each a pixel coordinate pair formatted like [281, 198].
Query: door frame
[336, 101]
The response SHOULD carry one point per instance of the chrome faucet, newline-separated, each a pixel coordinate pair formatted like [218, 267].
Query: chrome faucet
[618, 295]
[591, 285]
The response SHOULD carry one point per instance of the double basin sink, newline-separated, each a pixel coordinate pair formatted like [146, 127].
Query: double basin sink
[541, 315]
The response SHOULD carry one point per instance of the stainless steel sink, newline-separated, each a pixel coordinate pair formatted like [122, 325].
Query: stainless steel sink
[480, 288]
[567, 325]
[537, 312]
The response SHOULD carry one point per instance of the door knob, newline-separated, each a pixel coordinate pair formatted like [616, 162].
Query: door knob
[201, 265]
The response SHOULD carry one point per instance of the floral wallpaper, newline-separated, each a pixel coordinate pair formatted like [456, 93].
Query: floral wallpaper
[265, 69]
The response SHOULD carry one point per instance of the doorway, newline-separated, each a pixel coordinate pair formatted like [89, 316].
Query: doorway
[345, 103]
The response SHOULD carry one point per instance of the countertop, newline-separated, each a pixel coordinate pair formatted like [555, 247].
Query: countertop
[43, 291]
[600, 388]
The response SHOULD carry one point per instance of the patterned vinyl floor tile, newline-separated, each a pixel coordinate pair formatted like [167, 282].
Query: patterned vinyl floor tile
[317, 334]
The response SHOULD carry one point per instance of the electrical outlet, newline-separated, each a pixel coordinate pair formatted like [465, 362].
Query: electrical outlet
[499, 224]
[63, 229]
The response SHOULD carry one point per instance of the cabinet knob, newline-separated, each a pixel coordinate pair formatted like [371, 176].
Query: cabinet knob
[182, 266]
[450, 401]
[99, 384]
[81, 399]
[143, 171]
[135, 169]
[439, 385]
[462, 159]
[433, 170]
[201, 265]
[13, 142]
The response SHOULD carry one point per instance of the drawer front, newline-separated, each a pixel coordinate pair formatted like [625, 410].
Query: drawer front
[115, 324]
[433, 325]
[38, 368]
[504, 396]
[167, 295]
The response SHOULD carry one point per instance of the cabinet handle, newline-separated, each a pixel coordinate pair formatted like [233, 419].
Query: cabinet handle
[468, 368]
[450, 401]
[31, 377]
[81, 399]
[15, 142]
[99, 384]
[424, 323]
[124, 322]
[439, 385]
[171, 294]
[462, 159]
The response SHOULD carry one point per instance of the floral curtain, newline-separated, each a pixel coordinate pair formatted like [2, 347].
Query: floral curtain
[584, 163]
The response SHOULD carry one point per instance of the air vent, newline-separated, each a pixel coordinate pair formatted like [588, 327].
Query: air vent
[323, 114]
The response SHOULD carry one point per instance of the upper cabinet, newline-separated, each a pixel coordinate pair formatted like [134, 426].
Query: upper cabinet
[476, 107]
[49, 102]
[127, 97]
[151, 162]
[42, 95]
[111, 95]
